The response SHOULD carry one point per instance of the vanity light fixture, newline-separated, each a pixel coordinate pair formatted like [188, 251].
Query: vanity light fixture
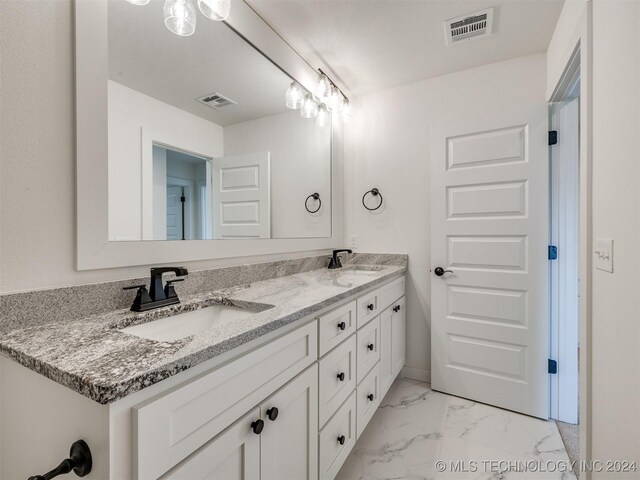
[180, 17]
[347, 111]
[217, 10]
[323, 87]
[310, 107]
[294, 96]
[336, 100]
[322, 120]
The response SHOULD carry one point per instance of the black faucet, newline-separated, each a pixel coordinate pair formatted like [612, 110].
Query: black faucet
[157, 296]
[335, 260]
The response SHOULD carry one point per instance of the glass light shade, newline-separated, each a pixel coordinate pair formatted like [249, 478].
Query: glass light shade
[215, 9]
[322, 120]
[347, 111]
[138, 2]
[336, 101]
[180, 17]
[310, 107]
[295, 96]
[323, 87]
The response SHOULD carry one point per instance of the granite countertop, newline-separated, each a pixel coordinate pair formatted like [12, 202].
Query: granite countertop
[92, 357]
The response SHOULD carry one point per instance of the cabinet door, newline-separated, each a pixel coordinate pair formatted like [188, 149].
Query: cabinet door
[233, 455]
[289, 448]
[398, 336]
[386, 370]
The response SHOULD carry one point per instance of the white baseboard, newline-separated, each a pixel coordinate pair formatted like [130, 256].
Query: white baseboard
[418, 374]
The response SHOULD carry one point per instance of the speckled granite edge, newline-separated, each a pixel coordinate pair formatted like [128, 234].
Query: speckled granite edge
[40, 307]
[156, 363]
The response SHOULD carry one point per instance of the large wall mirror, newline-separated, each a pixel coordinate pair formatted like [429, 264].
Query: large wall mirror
[201, 143]
[186, 148]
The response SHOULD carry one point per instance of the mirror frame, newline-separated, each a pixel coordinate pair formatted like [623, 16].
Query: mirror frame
[94, 250]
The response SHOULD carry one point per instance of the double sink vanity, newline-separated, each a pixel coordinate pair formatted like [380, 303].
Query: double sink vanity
[270, 379]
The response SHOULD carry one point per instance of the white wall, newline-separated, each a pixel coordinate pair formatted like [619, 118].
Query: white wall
[129, 111]
[37, 154]
[388, 146]
[300, 152]
[615, 355]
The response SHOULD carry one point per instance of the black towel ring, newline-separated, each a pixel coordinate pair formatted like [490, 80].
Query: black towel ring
[375, 192]
[315, 196]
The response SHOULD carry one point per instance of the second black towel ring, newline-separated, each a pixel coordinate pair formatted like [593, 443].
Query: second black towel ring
[315, 196]
[375, 192]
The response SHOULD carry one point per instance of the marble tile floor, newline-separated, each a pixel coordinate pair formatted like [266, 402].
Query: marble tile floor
[421, 434]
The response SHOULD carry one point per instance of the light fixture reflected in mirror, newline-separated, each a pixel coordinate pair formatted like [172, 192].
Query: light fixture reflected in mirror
[323, 87]
[180, 17]
[347, 111]
[138, 2]
[309, 108]
[215, 9]
[322, 120]
[336, 100]
[294, 96]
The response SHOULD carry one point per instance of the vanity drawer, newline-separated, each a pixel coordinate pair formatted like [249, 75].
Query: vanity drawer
[169, 428]
[368, 348]
[391, 292]
[339, 363]
[368, 398]
[336, 326]
[332, 452]
[368, 307]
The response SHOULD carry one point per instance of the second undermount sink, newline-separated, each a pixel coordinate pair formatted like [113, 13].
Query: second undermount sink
[190, 323]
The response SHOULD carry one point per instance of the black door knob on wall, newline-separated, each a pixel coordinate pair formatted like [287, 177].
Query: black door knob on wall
[439, 271]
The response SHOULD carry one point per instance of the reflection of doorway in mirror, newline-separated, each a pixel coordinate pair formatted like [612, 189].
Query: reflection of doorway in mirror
[181, 195]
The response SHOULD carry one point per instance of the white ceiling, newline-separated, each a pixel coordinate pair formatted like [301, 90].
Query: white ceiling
[370, 45]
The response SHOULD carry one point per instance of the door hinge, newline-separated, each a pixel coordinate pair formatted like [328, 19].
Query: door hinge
[553, 252]
[553, 137]
[553, 367]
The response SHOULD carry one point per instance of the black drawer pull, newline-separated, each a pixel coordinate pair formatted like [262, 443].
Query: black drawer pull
[272, 413]
[370, 306]
[257, 426]
[341, 439]
[370, 397]
[370, 346]
[342, 325]
[341, 376]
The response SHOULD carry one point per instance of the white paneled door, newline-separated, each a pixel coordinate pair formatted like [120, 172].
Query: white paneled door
[241, 196]
[490, 223]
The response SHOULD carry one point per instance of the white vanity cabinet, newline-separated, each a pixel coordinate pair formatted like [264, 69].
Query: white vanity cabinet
[291, 404]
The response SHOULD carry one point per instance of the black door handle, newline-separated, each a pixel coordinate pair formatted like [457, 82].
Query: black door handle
[341, 439]
[341, 376]
[272, 413]
[342, 325]
[257, 426]
[439, 271]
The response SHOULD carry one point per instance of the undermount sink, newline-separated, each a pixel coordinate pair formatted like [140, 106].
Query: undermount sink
[360, 270]
[186, 324]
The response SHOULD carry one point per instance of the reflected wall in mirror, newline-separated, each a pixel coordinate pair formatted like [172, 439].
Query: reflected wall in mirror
[201, 143]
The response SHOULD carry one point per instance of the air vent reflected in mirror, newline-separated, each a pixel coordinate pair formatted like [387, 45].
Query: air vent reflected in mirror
[216, 101]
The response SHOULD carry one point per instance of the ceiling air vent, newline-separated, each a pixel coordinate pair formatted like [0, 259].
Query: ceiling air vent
[473, 25]
[216, 100]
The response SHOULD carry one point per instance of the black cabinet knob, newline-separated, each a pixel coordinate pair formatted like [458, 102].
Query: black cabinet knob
[257, 426]
[370, 397]
[370, 346]
[342, 325]
[396, 308]
[272, 413]
[341, 376]
[341, 439]
[370, 306]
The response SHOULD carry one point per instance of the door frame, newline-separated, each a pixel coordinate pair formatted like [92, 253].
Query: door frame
[580, 60]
